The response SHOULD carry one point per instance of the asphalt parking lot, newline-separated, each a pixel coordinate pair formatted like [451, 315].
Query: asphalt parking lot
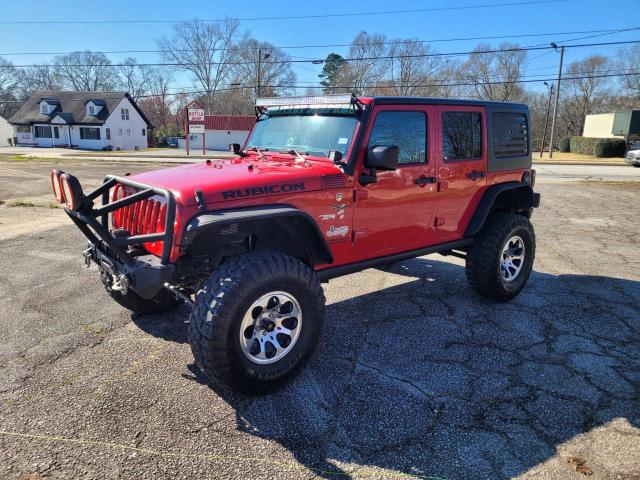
[415, 375]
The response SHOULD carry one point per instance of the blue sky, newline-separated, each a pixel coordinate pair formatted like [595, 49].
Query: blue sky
[563, 16]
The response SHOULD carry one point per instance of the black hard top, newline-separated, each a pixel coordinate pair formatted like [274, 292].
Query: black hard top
[443, 101]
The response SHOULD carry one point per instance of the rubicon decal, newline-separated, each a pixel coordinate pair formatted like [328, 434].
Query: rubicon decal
[267, 190]
[338, 231]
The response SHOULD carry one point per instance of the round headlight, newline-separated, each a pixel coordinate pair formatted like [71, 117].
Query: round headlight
[55, 185]
[70, 200]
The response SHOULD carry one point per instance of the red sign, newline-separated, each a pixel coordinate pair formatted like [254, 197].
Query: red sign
[195, 114]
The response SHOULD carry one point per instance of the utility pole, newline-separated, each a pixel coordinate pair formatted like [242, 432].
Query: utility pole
[555, 108]
[546, 119]
[258, 76]
[260, 58]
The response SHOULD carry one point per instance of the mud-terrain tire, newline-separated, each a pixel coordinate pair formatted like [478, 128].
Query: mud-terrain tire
[164, 301]
[236, 309]
[490, 252]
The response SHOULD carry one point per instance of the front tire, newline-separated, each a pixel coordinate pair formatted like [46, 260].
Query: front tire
[256, 321]
[501, 259]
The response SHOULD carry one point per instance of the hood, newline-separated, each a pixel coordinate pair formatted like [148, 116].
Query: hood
[236, 178]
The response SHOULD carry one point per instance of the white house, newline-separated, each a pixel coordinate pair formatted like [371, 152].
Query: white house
[6, 132]
[87, 120]
[220, 131]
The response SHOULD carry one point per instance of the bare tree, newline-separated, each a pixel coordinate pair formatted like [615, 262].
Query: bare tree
[39, 77]
[134, 78]
[8, 87]
[412, 71]
[629, 80]
[494, 75]
[205, 49]
[365, 67]
[585, 91]
[160, 102]
[276, 74]
[85, 71]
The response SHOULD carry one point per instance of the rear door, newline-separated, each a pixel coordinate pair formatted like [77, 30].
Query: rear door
[462, 167]
[397, 211]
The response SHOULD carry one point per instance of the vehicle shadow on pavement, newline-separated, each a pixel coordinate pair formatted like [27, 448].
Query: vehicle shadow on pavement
[428, 379]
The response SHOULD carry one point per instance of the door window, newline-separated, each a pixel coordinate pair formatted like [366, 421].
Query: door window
[461, 136]
[56, 132]
[405, 130]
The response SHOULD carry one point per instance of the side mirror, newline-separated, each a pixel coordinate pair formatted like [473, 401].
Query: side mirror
[382, 157]
[235, 148]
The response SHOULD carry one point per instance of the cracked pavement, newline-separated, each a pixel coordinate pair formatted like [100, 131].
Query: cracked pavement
[415, 375]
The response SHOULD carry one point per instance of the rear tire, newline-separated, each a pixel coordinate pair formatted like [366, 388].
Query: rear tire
[501, 259]
[256, 321]
[164, 301]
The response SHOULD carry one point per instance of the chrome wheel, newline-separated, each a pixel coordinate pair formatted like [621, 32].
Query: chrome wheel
[512, 258]
[270, 328]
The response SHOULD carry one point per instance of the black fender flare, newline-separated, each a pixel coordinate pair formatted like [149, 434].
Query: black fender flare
[246, 219]
[521, 197]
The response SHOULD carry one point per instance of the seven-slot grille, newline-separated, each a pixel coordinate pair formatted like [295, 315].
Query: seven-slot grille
[140, 218]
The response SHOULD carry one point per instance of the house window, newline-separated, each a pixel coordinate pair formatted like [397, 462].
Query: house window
[44, 107]
[128, 132]
[405, 130]
[56, 132]
[89, 133]
[461, 135]
[107, 131]
[510, 134]
[144, 133]
[23, 129]
[92, 110]
[119, 132]
[124, 113]
[43, 132]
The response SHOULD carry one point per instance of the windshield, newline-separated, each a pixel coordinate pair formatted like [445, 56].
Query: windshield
[310, 134]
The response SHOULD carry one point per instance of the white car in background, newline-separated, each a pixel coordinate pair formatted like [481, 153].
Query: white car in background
[633, 155]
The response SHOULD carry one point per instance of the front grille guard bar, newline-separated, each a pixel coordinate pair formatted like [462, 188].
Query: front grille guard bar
[86, 216]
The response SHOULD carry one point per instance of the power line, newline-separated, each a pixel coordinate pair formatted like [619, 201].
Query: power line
[331, 45]
[288, 17]
[377, 85]
[347, 59]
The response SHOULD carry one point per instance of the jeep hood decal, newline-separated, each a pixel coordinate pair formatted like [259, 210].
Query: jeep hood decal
[237, 178]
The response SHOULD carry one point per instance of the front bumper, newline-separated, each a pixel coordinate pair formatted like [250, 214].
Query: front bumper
[632, 160]
[145, 275]
[122, 262]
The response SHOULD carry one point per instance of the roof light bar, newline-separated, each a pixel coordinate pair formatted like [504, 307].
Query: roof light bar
[306, 100]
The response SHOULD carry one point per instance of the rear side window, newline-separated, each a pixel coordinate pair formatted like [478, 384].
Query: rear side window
[510, 134]
[405, 130]
[461, 135]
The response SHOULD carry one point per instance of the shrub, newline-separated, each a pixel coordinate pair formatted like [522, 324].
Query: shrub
[610, 147]
[584, 145]
[565, 144]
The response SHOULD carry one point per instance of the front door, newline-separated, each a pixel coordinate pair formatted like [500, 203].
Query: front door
[462, 168]
[396, 212]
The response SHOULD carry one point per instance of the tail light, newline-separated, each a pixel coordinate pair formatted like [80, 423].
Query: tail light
[71, 191]
[55, 185]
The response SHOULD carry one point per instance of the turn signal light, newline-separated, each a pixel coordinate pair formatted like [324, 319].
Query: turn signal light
[55, 185]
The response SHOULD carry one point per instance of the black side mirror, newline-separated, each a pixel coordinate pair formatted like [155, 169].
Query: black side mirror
[382, 157]
[235, 148]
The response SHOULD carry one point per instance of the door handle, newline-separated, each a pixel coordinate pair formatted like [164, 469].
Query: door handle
[423, 180]
[474, 175]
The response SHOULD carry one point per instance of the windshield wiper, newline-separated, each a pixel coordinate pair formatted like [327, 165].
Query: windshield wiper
[297, 154]
[256, 149]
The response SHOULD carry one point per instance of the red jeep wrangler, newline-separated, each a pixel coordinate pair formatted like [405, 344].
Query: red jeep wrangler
[323, 187]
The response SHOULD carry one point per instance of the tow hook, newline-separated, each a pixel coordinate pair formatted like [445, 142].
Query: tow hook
[88, 255]
[120, 284]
